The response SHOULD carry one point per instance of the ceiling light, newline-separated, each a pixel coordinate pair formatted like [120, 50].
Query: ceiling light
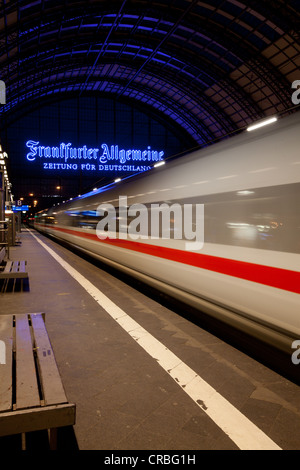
[245, 192]
[159, 164]
[261, 124]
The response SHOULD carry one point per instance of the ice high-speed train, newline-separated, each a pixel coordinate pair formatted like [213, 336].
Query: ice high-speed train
[247, 271]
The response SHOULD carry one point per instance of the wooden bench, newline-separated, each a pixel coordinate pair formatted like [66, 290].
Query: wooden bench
[12, 269]
[32, 396]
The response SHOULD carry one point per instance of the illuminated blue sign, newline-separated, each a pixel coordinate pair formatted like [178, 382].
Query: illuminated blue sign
[105, 158]
[20, 208]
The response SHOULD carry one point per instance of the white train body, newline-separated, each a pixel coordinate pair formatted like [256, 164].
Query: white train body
[248, 271]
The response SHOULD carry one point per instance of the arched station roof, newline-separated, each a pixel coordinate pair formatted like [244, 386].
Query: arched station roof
[211, 67]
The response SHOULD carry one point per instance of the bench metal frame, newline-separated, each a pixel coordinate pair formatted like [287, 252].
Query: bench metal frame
[32, 396]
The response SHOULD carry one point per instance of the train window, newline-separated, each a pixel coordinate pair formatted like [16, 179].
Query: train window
[265, 218]
[88, 219]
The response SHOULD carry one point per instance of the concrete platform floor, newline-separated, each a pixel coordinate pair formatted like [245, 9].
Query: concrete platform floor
[124, 399]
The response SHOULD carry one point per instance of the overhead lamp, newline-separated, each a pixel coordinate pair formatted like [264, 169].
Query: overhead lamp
[261, 124]
[117, 180]
[159, 164]
[2, 162]
[245, 192]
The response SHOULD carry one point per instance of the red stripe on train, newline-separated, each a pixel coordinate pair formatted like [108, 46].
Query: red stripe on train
[267, 275]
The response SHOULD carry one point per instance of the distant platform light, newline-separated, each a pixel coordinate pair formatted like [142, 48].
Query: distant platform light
[159, 164]
[117, 180]
[261, 124]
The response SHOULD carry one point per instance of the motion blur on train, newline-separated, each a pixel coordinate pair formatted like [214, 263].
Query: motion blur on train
[246, 273]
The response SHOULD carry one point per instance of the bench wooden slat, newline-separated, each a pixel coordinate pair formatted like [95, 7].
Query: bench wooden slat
[15, 267]
[22, 266]
[52, 388]
[7, 268]
[26, 383]
[6, 335]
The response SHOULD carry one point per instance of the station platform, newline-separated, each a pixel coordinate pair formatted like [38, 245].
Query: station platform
[126, 398]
